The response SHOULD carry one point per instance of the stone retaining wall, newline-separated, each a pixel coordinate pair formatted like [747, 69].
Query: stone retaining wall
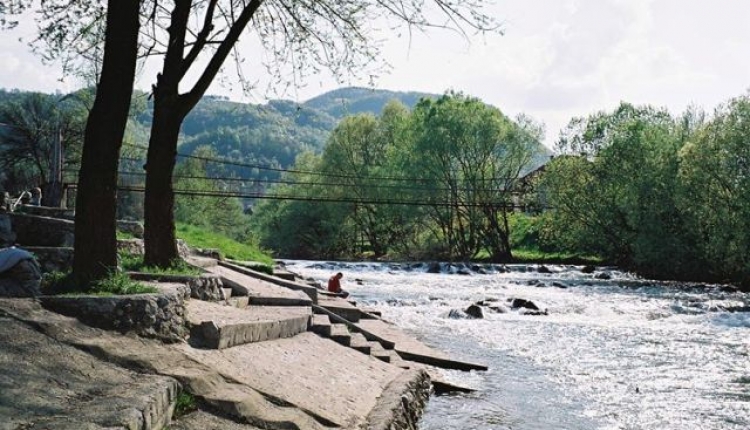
[34, 230]
[135, 247]
[402, 403]
[160, 316]
[52, 259]
[203, 287]
[46, 211]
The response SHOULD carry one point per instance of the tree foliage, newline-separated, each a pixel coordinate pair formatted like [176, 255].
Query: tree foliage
[663, 195]
[29, 126]
[438, 179]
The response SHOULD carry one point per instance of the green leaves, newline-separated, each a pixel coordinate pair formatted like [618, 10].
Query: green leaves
[666, 196]
[438, 178]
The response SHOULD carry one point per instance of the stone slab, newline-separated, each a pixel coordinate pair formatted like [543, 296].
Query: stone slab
[217, 326]
[310, 291]
[387, 344]
[202, 420]
[413, 350]
[321, 325]
[283, 274]
[47, 384]
[239, 401]
[260, 292]
[340, 307]
[338, 383]
[340, 334]
[359, 343]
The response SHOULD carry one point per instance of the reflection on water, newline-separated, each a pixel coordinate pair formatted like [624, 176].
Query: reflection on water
[613, 353]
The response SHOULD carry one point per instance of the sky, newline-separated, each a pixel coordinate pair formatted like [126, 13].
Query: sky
[556, 60]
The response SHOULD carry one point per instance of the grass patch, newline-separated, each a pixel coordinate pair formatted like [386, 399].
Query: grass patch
[263, 268]
[124, 235]
[537, 256]
[134, 263]
[201, 238]
[120, 284]
[184, 404]
[116, 284]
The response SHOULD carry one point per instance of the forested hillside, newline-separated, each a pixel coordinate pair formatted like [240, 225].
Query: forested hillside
[271, 135]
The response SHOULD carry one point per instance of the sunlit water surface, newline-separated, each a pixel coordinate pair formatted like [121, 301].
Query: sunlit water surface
[618, 353]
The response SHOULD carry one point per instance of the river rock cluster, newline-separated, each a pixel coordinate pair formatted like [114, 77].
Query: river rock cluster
[478, 309]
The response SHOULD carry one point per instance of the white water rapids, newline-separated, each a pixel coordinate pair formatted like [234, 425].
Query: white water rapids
[615, 353]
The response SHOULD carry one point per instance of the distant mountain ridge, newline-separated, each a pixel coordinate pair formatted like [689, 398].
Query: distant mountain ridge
[353, 100]
[270, 134]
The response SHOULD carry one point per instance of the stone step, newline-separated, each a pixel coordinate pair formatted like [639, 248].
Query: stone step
[321, 325]
[377, 351]
[410, 349]
[340, 334]
[215, 326]
[55, 385]
[283, 274]
[240, 302]
[340, 307]
[247, 405]
[261, 293]
[359, 343]
[371, 314]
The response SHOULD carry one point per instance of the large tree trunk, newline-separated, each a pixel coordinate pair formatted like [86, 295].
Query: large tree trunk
[498, 235]
[95, 226]
[159, 226]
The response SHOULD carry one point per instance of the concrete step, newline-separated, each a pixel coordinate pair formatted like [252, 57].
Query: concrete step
[215, 326]
[359, 343]
[340, 334]
[410, 349]
[340, 307]
[240, 302]
[283, 274]
[247, 405]
[377, 351]
[261, 293]
[321, 325]
[371, 314]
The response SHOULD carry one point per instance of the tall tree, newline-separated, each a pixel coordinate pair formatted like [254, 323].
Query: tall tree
[614, 194]
[95, 252]
[71, 31]
[715, 172]
[308, 35]
[471, 155]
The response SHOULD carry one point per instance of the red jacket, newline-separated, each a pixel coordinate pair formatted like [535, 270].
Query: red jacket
[334, 285]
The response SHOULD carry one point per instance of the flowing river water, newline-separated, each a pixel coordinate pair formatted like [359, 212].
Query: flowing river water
[617, 353]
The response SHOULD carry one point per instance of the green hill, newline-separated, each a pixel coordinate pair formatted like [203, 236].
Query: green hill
[254, 136]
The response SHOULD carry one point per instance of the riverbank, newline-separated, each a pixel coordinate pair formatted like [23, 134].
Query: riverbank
[258, 355]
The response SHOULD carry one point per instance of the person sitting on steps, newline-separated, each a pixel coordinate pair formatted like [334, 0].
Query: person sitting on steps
[334, 285]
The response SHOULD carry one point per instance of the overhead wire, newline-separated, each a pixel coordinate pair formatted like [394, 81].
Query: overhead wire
[390, 201]
[302, 172]
[307, 183]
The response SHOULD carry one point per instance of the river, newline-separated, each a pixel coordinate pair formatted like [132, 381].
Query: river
[617, 353]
